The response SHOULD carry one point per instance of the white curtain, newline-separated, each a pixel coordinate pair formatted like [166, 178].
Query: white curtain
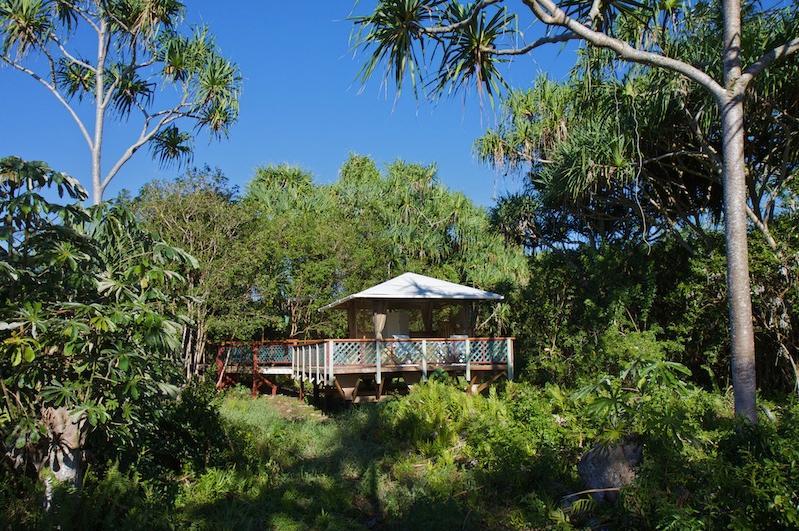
[379, 319]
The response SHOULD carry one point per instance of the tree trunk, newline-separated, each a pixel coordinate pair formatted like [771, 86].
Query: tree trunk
[738, 291]
[739, 296]
[99, 114]
[67, 435]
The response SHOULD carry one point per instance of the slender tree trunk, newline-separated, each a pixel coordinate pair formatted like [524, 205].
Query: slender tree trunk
[99, 115]
[735, 226]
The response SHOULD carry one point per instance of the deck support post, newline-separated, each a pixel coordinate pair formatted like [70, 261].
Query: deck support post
[424, 360]
[255, 373]
[380, 390]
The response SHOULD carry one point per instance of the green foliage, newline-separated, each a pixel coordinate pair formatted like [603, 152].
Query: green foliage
[201, 213]
[436, 457]
[87, 306]
[270, 260]
[618, 153]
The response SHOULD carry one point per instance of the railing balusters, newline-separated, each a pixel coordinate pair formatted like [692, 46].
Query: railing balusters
[378, 355]
[424, 360]
[331, 348]
[509, 357]
[468, 361]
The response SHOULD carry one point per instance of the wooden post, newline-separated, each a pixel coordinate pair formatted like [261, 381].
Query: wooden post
[293, 361]
[468, 360]
[424, 360]
[509, 354]
[255, 374]
[316, 348]
[223, 379]
[378, 354]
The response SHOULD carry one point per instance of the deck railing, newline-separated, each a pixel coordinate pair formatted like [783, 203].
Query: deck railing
[318, 361]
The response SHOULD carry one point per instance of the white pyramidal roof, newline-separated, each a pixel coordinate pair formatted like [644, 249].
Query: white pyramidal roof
[415, 286]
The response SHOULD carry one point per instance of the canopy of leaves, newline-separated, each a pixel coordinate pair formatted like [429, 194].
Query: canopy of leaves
[615, 153]
[87, 309]
[271, 259]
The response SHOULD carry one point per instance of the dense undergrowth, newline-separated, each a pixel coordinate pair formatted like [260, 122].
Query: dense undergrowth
[435, 459]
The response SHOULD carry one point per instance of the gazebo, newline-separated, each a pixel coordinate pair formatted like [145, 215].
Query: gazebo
[398, 332]
[391, 303]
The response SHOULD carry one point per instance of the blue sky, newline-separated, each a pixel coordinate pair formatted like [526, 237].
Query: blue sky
[301, 104]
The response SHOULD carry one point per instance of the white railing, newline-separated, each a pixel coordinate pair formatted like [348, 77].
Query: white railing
[318, 361]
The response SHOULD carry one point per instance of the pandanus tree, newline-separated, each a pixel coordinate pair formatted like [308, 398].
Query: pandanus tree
[89, 332]
[465, 45]
[636, 150]
[116, 59]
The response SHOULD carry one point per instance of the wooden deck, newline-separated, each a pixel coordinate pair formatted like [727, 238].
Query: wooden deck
[364, 369]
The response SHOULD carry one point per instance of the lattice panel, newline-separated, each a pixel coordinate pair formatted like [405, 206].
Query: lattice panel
[354, 353]
[401, 353]
[489, 351]
[274, 353]
[239, 354]
[441, 352]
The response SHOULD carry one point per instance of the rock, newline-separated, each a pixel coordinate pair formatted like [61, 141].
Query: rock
[611, 466]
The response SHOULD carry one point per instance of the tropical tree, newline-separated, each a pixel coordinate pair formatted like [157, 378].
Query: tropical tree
[142, 65]
[200, 213]
[629, 151]
[313, 252]
[88, 334]
[467, 43]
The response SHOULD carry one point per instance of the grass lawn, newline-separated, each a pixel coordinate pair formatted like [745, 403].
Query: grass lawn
[309, 470]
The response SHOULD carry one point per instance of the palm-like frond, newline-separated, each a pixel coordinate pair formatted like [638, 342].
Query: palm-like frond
[393, 32]
[172, 146]
[23, 24]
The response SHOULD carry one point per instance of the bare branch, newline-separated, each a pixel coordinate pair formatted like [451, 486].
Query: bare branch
[438, 30]
[564, 37]
[55, 93]
[168, 116]
[69, 56]
[594, 13]
[549, 13]
[763, 228]
[772, 56]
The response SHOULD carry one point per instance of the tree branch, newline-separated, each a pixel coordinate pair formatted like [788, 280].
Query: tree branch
[594, 13]
[55, 93]
[772, 56]
[438, 30]
[169, 116]
[764, 231]
[549, 13]
[69, 56]
[564, 37]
